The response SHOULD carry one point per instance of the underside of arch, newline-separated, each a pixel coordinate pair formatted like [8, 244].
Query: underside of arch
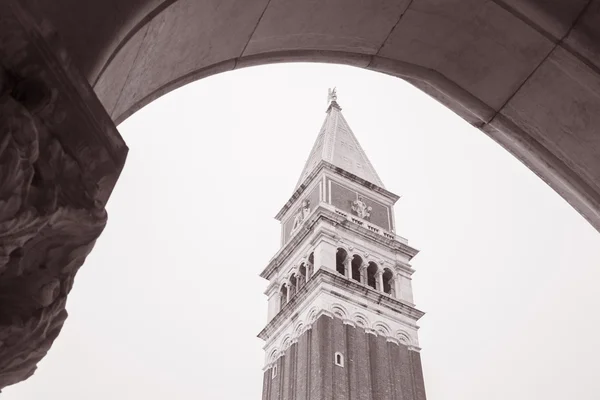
[525, 72]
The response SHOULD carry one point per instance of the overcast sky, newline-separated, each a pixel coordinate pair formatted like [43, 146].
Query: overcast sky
[169, 303]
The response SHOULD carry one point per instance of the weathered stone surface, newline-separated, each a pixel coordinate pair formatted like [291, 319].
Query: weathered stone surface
[552, 16]
[559, 107]
[525, 72]
[584, 38]
[196, 34]
[60, 157]
[96, 29]
[477, 44]
[321, 25]
[473, 56]
[110, 85]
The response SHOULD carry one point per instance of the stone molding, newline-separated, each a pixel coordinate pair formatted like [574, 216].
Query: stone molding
[326, 166]
[276, 349]
[317, 298]
[323, 213]
[398, 269]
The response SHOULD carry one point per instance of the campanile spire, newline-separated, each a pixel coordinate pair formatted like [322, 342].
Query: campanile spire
[342, 323]
[337, 145]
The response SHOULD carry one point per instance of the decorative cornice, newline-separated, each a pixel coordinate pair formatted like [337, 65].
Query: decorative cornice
[374, 295]
[350, 176]
[324, 165]
[323, 213]
[301, 189]
[314, 301]
[406, 268]
[348, 285]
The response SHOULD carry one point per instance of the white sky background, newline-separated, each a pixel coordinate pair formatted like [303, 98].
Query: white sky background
[169, 303]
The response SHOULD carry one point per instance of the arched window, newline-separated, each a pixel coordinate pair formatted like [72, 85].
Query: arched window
[340, 261]
[283, 295]
[311, 263]
[293, 282]
[274, 372]
[388, 281]
[302, 276]
[356, 263]
[339, 359]
[371, 275]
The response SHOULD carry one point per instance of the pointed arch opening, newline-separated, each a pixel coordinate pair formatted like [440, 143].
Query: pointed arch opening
[340, 261]
[357, 262]
[311, 265]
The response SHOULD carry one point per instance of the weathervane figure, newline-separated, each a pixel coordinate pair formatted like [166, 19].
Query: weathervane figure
[331, 95]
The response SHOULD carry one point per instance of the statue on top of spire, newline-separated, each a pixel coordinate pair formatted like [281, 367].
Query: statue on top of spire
[331, 95]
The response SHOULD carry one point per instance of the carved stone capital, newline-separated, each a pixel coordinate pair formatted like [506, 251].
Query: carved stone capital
[60, 156]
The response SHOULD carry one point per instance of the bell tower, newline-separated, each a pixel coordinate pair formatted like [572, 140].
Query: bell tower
[341, 319]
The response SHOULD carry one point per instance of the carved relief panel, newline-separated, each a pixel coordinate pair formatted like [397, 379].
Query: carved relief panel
[300, 211]
[364, 207]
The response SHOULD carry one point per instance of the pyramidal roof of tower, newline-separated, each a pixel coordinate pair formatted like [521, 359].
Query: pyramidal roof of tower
[337, 145]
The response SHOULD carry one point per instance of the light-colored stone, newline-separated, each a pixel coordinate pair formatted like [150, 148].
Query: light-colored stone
[196, 35]
[559, 107]
[505, 66]
[477, 44]
[334, 25]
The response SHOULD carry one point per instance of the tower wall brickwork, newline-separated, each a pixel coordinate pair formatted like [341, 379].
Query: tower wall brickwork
[373, 368]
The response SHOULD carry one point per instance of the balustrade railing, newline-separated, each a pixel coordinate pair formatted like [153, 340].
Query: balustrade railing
[369, 226]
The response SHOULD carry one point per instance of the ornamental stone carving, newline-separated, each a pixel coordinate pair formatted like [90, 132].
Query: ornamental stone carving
[360, 208]
[300, 215]
[60, 156]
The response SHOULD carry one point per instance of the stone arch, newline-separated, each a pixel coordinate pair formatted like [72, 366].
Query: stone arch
[301, 276]
[356, 265]
[283, 295]
[107, 58]
[168, 66]
[382, 329]
[361, 320]
[403, 337]
[311, 316]
[293, 284]
[372, 270]
[298, 329]
[285, 343]
[388, 279]
[292, 271]
[340, 261]
[339, 311]
[273, 356]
